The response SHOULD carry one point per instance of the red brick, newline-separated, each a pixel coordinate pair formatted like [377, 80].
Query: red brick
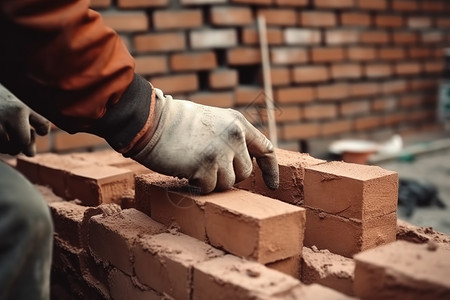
[256, 2]
[246, 94]
[408, 68]
[292, 2]
[126, 21]
[310, 73]
[223, 78]
[230, 277]
[63, 141]
[407, 101]
[358, 19]
[176, 83]
[67, 219]
[112, 238]
[329, 54]
[334, 91]
[300, 36]
[43, 143]
[159, 42]
[405, 37]
[389, 21]
[374, 37]
[433, 6]
[336, 127]
[341, 36]
[123, 286]
[443, 22]
[289, 266]
[319, 111]
[328, 269]
[420, 52]
[377, 70]
[151, 64]
[141, 3]
[391, 53]
[279, 17]
[364, 89]
[384, 104]
[434, 67]
[366, 123]
[193, 61]
[361, 53]
[96, 4]
[345, 236]
[351, 108]
[252, 217]
[405, 5]
[394, 86]
[432, 37]
[213, 38]
[334, 4]
[177, 19]
[224, 99]
[172, 258]
[317, 19]
[372, 4]
[422, 84]
[250, 36]
[399, 270]
[419, 22]
[394, 118]
[199, 2]
[300, 131]
[294, 95]
[95, 185]
[280, 76]
[347, 70]
[243, 56]
[287, 56]
[231, 16]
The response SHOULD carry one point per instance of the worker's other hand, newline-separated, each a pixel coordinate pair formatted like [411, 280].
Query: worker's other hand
[18, 125]
[210, 146]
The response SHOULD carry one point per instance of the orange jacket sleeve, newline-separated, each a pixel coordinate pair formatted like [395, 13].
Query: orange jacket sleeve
[59, 58]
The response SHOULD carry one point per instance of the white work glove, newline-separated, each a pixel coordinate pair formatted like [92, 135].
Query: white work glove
[210, 146]
[18, 124]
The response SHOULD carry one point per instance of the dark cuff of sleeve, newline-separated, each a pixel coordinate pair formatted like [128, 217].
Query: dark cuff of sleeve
[124, 120]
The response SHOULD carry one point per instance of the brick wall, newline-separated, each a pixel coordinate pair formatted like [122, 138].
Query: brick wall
[353, 67]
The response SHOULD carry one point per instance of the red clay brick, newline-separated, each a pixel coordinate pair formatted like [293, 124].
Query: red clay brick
[231, 16]
[199, 2]
[398, 270]
[358, 19]
[351, 108]
[213, 38]
[253, 218]
[141, 3]
[364, 89]
[384, 104]
[407, 68]
[151, 64]
[300, 131]
[294, 94]
[443, 22]
[347, 237]
[391, 53]
[374, 37]
[341, 36]
[126, 21]
[316, 73]
[223, 78]
[342, 71]
[329, 54]
[405, 37]
[224, 99]
[292, 2]
[176, 83]
[319, 111]
[394, 118]
[334, 4]
[63, 141]
[388, 21]
[288, 113]
[257, 2]
[246, 94]
[317, 19]
[159, 42]
[177, 19]
[112, 238]
[300, 36]
[279, 17]
[378, 70]
[410, 101]
[194, 61]
[433, 6]
[289, 266]
[123, 286]
[418, 84]
[434, 67]
[394, 86]
[96, 4]
[67, 220]
[372, 4]
[328, 269]
[433, 37]
[243, 56]
[230, 277]
[405, 5]
[419, 22]
[366, 123]
[250, 36]
[287, 56]
[164, 262]
[336, 127]
[361, 53]
[280, 76]
[333, 91]
[420, 52]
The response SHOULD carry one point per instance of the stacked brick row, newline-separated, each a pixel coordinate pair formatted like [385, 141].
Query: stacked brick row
[154, 238]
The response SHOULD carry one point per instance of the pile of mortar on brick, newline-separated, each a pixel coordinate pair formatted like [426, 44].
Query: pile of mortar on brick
[180, 251]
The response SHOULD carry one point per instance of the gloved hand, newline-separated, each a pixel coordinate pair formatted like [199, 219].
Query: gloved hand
[18, 124]
[210, 146]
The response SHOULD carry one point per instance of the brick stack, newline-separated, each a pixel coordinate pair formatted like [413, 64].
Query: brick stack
[154, 238]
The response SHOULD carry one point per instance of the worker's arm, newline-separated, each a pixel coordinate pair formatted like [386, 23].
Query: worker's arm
[66, 64]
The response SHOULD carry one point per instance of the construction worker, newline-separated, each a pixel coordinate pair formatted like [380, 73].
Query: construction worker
[62, 61]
